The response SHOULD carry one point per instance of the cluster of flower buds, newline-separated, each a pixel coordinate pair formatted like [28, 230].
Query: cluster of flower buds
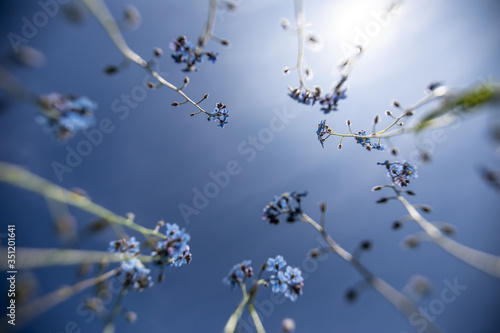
[65, 115]
[310, 97]
[174, 250]
[288, 204]
[285, 279]
[185, 52]
[401, 173]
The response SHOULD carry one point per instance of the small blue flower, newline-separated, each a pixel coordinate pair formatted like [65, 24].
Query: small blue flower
[289, 282]
[331, 100]
[136, 275]
[323, 129]
[212, 57]
[293, 275]
[64, 115]
[378, 146]
[186, 52]
[238, 273]
[287, 203]
[173, 251]
[220, 114]
[128, 246]
[294, 291]
[278, 283]
[275, 264]
[305, 96]
[401, 173]
[363, 141]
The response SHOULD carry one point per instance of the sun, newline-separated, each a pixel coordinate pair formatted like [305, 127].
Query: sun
[358, 22]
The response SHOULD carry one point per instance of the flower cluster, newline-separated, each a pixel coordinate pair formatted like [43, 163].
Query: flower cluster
[64, 115]
[136, 274]
[285, 279]
[238, 273]
[310, 97]
[323, 130]
[220, 114]
[401, 173]
[330, 101]
[186, 52]
[128, 246]
[366, 142]
[290, 282]
[288, 203]
[173, 251]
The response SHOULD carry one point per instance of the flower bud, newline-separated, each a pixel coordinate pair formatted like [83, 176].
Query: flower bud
[157, 52]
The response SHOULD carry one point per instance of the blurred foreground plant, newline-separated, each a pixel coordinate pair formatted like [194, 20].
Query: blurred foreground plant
[169, 249]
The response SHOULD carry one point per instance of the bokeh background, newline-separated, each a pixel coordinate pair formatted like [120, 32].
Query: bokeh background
[158, 155]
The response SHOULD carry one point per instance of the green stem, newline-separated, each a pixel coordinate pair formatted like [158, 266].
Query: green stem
[394, 297]
[110, 323]
[209, 27]
[485, 262]
[235, 317]
[101, 12]
[38, 306]
[24, 179]
[28, 258]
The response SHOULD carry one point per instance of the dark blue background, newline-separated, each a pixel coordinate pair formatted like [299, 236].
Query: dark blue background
[157, 156]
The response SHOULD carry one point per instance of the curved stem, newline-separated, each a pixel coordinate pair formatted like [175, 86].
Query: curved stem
[235, 317]
[28, 258]
[255, 316]
[483, 261]
[299, 14]
[38, 306]
[209, 27]
[394, 297]
[24, 179]
[101, 12]
[110, 322]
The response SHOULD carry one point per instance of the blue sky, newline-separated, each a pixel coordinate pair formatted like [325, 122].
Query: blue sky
[157, 157]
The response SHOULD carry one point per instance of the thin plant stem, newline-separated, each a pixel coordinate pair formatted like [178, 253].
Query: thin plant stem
[101, 12]
[209, 27]
[394, 297]
[40, 305]
[483, 261]
[235, 317]
[24, 179]
[110, 323]
[300, 17]
[29, 258]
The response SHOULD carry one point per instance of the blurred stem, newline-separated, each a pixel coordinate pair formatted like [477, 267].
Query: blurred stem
[209, 27]
[235, 317]
[101, 12]
[485, 262]
[251, 309]
[11, 85]
[300, 18]
[24, 179]
[38, 306]
[110, 323]
[28, 258]
[394, 297]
